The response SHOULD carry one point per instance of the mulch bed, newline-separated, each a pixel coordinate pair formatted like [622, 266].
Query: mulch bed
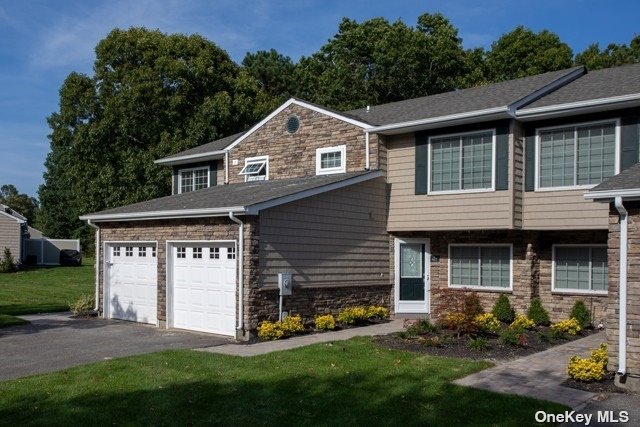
[459, 346]
[607, 385]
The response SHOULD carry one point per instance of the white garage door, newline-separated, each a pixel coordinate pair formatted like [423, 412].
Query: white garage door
[203, 286]
[132, 282]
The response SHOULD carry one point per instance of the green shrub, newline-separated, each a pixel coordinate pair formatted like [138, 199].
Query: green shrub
[521, 322]
[325, 323]
[292, 324]
[502, 309]
[423, 326]
[538, 314]
[472, 306]
[270, 330]
[510, 336]
[581, 313]
[436, 341]
[377, 312]
[478, 344]
[7, 264]
[83, 305]
[544, 337]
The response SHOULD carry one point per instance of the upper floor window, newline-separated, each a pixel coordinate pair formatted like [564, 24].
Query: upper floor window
[580, 268]
[193, 179]
[574, 156]
[331, 160]
[462, 162]
[256, 168]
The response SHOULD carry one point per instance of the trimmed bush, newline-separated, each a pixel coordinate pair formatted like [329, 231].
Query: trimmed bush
[510, 336]
[377, 312]
[538, 314]
[423, 326]
[566, 327]
[590, 369]
[521, 322]
[83, 305]
[502, 310]
[581, 313]
[478, 344]
[325, 323]
[487, 322]
[352, 315]
[7, 264]
[292, 324]
[270, 331]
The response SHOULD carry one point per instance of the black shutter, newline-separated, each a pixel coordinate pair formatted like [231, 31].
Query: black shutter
[422, 162]
[502, 158]
[629, 141]
[529, 163]
[213, 173]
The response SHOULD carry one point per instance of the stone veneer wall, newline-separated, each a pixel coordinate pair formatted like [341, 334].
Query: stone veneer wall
[531, 269]
[633, 290]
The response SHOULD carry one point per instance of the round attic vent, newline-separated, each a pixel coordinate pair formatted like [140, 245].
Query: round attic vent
[293, 124]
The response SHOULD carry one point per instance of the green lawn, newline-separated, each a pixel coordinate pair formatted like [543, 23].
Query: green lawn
[348, 383]
[45, 289]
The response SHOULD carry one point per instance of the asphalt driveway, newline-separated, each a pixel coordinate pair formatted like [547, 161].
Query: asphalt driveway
[54, 341]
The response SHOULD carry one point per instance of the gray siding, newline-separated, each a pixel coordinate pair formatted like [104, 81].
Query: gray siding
[408, 211]
[10, 236]
[337, 238]
[560, 210]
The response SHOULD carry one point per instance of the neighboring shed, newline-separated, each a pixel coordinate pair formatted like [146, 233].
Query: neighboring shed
[11, 230]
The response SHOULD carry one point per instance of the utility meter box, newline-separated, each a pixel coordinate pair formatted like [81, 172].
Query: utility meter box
[285, 283]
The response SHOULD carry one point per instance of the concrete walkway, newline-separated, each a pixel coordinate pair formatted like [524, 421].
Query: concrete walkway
[538, 375]
[295, 342]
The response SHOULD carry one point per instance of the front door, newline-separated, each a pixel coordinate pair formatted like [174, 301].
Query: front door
[412, 276]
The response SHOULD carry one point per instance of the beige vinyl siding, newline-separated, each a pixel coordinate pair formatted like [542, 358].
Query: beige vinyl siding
[336, 238]
[559, 210]
[408, 211]
[220, 173]
[10, 235]
[516, 139]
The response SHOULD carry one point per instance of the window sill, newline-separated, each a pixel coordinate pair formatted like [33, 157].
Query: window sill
[577, 292]
[474, 191]
[565, 188]
[482, 289]
[330, 171]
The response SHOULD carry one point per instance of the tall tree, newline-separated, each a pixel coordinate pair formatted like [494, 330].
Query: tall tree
[613, 55]
[152, 95]
[375, 61]
[274, 71]
[26, 205]
[522, 53]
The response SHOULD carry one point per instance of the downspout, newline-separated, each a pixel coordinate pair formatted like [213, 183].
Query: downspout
[240, 326]
[96, 262]
[622, 325]
[226, 167]
[366, 150]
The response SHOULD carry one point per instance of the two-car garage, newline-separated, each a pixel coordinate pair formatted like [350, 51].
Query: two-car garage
[200, 279]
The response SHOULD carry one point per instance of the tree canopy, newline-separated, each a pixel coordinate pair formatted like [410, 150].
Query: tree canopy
[26, 205]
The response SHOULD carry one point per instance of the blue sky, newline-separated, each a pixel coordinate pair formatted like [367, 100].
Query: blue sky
[41, 42]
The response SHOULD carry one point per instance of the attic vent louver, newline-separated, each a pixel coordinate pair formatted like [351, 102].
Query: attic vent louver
[293, 124]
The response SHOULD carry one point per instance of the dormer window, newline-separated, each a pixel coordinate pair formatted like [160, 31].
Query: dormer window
[193, 179]
[331, 160]
[256, 169]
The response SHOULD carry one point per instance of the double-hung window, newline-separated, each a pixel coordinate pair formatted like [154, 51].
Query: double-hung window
[574, 156]
[580, 268]
[256, 169]
[480, 266]
[462, 162]
[331, 160]
[194, 179]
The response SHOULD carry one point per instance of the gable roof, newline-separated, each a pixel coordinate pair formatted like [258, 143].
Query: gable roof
[625, 184]
[243, 198]
[11, 213]
[596, 88]
[493, 98]
[202, 151]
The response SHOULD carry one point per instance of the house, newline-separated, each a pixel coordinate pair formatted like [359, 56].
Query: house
[622, 194]
[27, 244]
[478, 189]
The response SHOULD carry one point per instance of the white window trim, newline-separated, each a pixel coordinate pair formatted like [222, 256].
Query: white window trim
[193, 181]
[616, 121]
[573, 291]
[343, 156]
[481, 288]
[471, 190]
[257, 159]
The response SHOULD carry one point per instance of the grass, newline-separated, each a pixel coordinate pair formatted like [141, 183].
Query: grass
[44, 289]
[353, 382]
[8, 320]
